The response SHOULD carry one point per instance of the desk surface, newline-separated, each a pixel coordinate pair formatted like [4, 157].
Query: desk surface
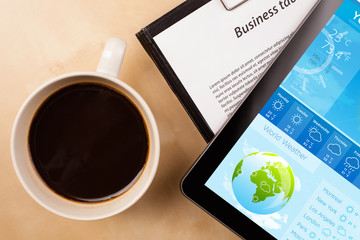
[44, 39]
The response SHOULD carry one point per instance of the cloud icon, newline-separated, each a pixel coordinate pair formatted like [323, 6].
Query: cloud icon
[334, 149]
[353, 162]
[326, 232]
[341, 231]
[315, 135]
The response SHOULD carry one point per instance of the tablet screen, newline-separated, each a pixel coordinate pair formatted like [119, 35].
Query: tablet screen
[295, 170]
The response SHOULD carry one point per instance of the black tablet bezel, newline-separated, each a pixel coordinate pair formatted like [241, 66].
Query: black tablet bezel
[193, 184]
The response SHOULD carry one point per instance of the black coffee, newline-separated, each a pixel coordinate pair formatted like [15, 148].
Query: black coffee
[88, 142]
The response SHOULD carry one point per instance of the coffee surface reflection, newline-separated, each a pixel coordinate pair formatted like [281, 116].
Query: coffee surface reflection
[88, 142]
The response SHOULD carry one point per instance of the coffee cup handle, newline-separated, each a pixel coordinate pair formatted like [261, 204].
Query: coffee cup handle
[112, 57]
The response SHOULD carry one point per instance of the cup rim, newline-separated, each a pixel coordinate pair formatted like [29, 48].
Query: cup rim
[153, 135]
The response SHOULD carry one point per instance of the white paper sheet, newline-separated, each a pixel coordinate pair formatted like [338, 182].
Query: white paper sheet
[219, 54]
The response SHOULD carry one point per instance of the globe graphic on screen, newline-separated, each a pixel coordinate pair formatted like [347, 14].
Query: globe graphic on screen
[263, 183]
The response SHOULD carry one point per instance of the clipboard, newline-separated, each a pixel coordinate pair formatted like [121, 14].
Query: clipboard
[195, 11]
[146, 38]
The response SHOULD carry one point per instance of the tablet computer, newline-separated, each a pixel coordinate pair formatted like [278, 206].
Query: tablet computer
[287, 164]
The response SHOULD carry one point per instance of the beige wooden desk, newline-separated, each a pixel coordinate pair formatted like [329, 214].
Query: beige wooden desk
[42, 39]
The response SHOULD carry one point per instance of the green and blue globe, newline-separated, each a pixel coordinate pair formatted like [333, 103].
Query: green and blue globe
[263, 183]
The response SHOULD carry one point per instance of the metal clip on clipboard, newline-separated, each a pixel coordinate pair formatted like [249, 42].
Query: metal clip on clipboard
[232, 4]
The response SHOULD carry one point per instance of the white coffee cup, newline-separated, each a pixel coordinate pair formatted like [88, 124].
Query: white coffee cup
[107, 73]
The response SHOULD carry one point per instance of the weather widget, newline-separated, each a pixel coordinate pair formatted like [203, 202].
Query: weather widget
[277, 106]
[334, 149]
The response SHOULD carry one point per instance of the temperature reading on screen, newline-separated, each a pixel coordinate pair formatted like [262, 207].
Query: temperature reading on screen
[335, 38]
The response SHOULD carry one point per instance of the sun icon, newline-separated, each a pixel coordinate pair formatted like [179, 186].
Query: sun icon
[296, 119]
[343, 218]
[278, 105]
[350, 209]
[313, 129]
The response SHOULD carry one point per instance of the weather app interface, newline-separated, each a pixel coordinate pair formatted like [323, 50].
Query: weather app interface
[296, 170]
